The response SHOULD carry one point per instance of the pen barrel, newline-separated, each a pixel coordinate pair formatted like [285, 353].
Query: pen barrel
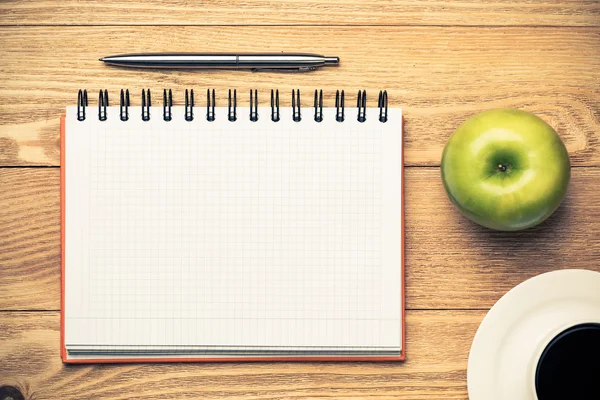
[280, 61]
[175, 61]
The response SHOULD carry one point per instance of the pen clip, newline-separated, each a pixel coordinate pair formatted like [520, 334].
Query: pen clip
[289, 70]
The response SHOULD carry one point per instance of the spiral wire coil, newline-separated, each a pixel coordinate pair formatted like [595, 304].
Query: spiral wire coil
[124, 104]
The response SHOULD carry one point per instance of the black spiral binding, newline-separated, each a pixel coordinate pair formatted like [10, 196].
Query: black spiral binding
[275, 106]
[102, 104]
[296, 115]
[232, 106]
[319, 106]
[254, 106]
[189, 105]
[361, 104]
[167, 104]
[210, 106]
[339, 106]
[124, 105]
[146, 104]
[383, 106]
[82, 102]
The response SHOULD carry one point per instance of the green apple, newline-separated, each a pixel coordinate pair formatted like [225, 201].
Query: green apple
[506, 169]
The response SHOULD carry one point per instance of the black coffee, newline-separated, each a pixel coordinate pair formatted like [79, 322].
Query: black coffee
[569, 368]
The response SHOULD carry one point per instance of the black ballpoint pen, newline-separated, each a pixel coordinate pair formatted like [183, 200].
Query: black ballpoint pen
[255, 62]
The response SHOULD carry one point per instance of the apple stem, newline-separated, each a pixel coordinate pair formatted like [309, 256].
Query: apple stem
[502, 167]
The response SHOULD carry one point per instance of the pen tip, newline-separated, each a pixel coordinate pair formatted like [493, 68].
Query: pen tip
[101, 59]
[332, 60]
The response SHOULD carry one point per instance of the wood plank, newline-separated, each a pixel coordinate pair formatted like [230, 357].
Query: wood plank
[455, 263]
[450, 262]
[440, 76]
[438, 346]
[295, 12]
[30, 239]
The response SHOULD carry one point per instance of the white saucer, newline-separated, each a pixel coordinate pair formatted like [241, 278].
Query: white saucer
[512, 336]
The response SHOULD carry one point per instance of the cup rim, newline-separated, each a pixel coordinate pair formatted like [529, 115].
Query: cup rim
[543, 344]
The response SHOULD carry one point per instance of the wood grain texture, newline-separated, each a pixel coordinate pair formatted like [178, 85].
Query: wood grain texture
[438, 346]
[440, 76]
[29, 239]
[295, 12]
[450, 262]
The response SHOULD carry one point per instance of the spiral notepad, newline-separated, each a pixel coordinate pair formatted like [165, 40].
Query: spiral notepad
[245, 232]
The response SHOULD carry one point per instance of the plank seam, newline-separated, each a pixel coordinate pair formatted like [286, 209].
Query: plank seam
[303, 25]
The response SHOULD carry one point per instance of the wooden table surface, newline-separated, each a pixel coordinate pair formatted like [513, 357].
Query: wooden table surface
[442, 61]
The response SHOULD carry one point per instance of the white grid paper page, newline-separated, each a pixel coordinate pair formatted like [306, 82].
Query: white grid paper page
[233, 235]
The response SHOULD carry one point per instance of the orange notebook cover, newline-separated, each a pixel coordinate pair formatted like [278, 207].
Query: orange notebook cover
[98, 305]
